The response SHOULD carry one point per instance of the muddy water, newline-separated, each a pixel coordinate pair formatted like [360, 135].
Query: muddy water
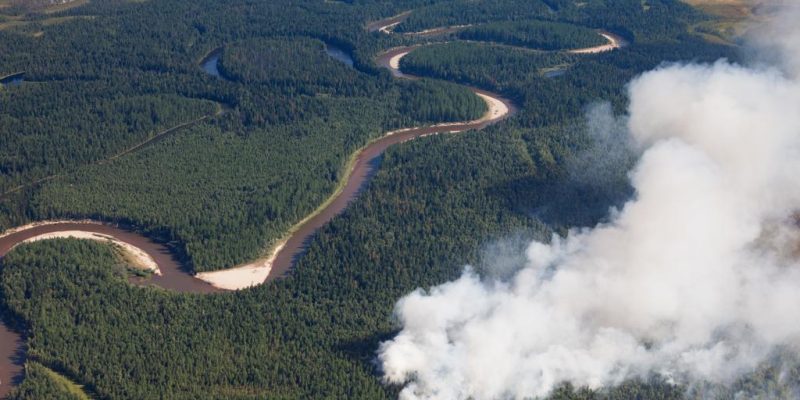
[12, 345]
[172, 277]
[12, 357]
[384, 61]
[365, 166]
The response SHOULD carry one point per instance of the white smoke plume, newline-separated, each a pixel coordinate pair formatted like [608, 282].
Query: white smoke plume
[696, 278]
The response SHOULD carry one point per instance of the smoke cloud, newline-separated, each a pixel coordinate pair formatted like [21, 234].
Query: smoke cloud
[695, 278]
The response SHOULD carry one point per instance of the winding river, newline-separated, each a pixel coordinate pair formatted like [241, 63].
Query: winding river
[288, 250]
[169, 274]
[210, 63]
[173, 277]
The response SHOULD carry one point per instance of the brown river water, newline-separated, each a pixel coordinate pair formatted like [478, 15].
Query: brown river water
[364, 168]
[12, 345]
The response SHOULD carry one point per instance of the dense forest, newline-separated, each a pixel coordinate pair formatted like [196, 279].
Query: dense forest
[261, 166]
[541, 35]
[276, 107]
[265, 144]
[634, 19]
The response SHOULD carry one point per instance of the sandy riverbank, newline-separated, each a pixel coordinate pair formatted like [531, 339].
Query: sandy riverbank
[258, 271]
[385, 25]
[438, 31]
[12, 231]
[135, 255]
[496, 109]
[255, 273]
[614, 42]
[388, 28]
[394, 62]
[242, 277]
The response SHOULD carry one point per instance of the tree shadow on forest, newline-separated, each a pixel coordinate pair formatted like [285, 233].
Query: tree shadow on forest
[561, 203]
[365, 349]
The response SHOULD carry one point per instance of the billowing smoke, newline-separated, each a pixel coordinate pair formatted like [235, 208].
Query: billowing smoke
[696, 278]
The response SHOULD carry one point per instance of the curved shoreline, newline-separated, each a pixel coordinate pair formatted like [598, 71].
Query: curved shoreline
[614, 42]
[209, 63]
[138, 258]
[386, 24]
[168, 273]
[132, 245]
[358, 171]
[442, 30]
[283, 254]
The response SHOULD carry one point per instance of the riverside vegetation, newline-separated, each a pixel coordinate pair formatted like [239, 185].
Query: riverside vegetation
[220, 190]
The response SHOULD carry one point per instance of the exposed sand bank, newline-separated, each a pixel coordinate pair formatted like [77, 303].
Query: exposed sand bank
[386, 24]
[388, 28]
[242, 277]
[136, 256]
[256, 273]
[614, 42]
[394, 62]
[14, 230]
[438, 31]
[496, 109]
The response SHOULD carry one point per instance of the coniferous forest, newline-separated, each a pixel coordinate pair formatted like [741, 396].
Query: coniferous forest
[116, 120]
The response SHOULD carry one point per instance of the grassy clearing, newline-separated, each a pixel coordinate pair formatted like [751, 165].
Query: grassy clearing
[44, 383]
[51, 9]
[41, 6]
[728, 9]
[732, 19]
[67, 385]
[18, 22]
